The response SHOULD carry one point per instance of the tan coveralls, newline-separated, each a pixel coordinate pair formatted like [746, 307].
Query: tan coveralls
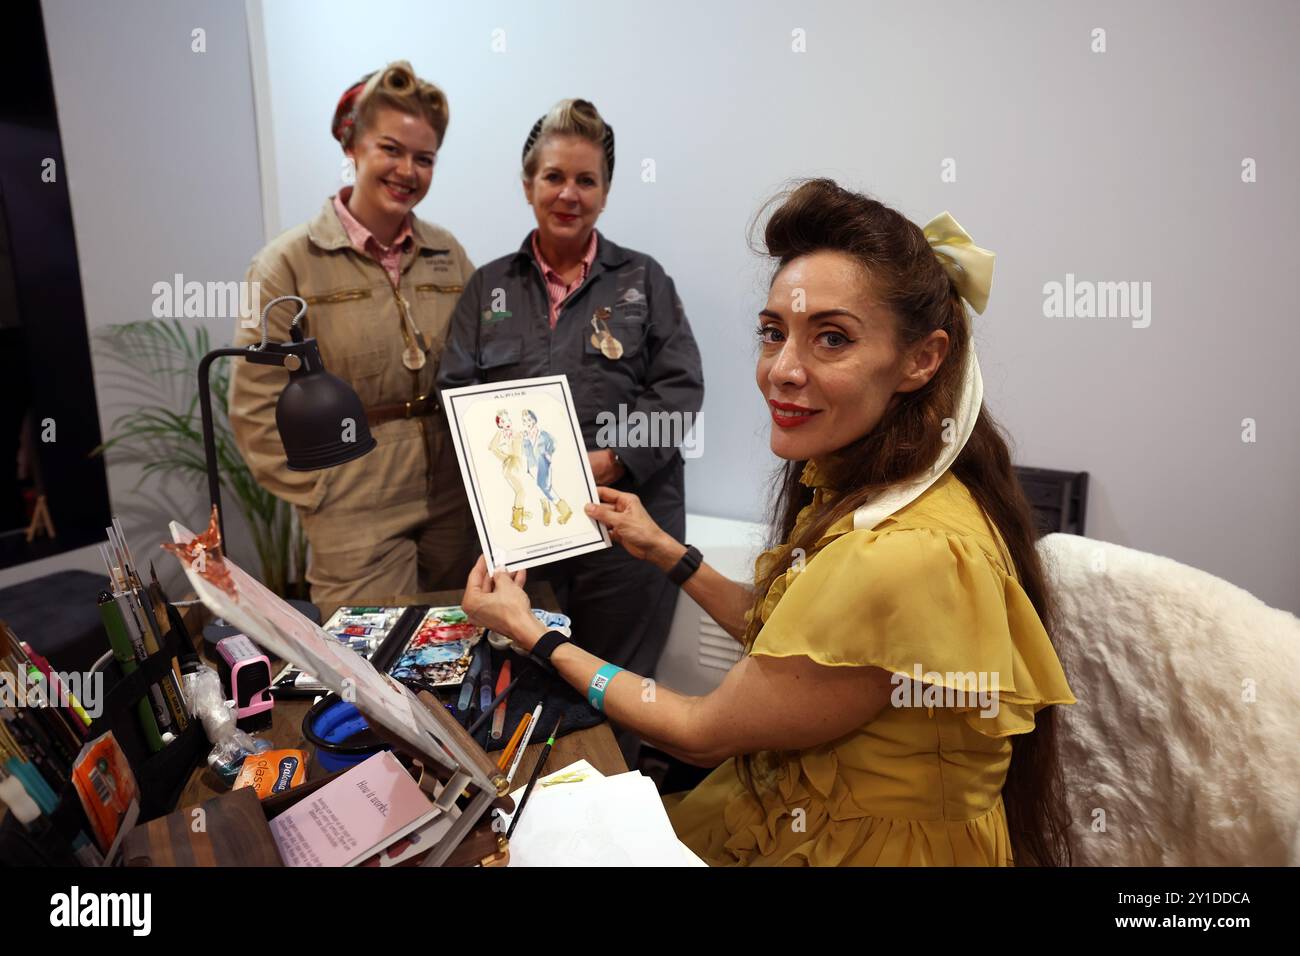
[395, 520]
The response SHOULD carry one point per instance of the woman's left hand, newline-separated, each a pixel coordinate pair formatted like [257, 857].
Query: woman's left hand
[497, 601]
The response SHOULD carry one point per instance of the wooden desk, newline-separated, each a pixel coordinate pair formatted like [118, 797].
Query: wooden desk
[596, 744]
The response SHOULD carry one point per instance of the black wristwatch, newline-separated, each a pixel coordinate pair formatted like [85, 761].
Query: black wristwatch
[546, 645]
[680, 572]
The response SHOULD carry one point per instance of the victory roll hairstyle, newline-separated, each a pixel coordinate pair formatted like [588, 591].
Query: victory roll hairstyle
[394, 87]
[570, 118]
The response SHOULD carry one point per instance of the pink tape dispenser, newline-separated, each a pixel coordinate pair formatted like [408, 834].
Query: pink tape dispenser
[246, 677]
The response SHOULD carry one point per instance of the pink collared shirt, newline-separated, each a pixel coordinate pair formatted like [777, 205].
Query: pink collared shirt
[557, 290]
[364, 241]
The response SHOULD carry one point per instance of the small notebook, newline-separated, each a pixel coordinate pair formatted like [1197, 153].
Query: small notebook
[354, 816]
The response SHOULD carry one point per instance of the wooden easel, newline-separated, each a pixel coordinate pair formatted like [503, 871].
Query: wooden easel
[40, 520]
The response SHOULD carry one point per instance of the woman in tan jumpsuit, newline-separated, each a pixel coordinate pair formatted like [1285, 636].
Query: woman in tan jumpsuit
[380, 286]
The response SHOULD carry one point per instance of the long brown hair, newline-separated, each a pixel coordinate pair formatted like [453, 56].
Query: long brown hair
[906, 277]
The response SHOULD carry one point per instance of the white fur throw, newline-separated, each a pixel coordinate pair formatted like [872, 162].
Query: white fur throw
[1184, 747]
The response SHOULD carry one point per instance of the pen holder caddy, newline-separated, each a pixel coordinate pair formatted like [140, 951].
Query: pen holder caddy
[162, 776]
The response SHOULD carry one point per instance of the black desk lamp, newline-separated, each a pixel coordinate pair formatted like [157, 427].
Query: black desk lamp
[321, 421]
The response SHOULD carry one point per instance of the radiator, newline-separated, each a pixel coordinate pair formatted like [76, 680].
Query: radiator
[699, 652]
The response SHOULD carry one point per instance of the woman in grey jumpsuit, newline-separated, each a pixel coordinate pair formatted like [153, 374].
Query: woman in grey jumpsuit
[572, 302]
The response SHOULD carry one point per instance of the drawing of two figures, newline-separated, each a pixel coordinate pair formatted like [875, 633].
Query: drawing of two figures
[528, 448]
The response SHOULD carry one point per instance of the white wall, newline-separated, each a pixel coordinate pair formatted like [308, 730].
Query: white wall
[1123, 165]
[161, 163]
[1116, 166]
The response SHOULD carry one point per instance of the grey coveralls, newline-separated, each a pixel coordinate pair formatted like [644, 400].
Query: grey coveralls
[500, 330]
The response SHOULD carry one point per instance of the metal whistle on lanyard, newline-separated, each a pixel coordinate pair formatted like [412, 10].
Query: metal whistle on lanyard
[603, 338]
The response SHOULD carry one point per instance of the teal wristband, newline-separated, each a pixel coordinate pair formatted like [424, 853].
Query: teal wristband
[596, 692]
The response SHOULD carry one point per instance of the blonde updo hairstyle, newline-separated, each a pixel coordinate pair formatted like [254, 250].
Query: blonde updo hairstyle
[571, 118]
[394, 87]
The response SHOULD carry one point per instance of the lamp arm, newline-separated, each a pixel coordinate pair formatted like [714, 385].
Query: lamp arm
[295, 331]
[299, 355]
[205, 410]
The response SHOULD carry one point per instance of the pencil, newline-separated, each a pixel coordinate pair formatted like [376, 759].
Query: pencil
[132, 626]
[466, 700]
[61, 693]
[124, 653]
[508, 754]
[485, 689]
[503, 688]
[533, 722]
[151, 634]
[491, 705]
[532, 781]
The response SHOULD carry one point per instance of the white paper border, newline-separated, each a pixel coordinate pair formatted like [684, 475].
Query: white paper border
[494, 550]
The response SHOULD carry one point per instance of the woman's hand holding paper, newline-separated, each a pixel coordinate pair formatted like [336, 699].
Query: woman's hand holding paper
[499, 603]
[631, 526]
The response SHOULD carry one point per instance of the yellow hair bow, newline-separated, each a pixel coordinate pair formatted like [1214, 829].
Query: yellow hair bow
[969, 266]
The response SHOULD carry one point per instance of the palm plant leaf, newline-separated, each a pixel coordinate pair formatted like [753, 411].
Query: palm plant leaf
[167, 437]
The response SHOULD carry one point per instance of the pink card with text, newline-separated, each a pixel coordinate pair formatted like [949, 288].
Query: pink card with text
[352, 817]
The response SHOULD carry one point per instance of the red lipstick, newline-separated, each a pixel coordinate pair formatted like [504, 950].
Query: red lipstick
[786, 415]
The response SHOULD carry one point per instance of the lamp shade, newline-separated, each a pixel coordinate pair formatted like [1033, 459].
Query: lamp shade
[321, 420]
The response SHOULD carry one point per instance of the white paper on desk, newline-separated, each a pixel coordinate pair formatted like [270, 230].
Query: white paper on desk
[609, 821]
[580, 772]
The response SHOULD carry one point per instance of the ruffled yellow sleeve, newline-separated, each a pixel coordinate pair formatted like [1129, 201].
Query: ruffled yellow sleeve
[921, 601]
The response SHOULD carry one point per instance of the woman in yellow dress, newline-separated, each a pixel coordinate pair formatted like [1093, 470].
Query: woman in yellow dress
[893, 703]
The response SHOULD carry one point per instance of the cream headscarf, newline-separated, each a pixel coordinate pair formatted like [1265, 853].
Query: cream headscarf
[971, 270]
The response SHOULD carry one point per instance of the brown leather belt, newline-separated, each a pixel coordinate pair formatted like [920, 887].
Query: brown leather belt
[378, 414]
